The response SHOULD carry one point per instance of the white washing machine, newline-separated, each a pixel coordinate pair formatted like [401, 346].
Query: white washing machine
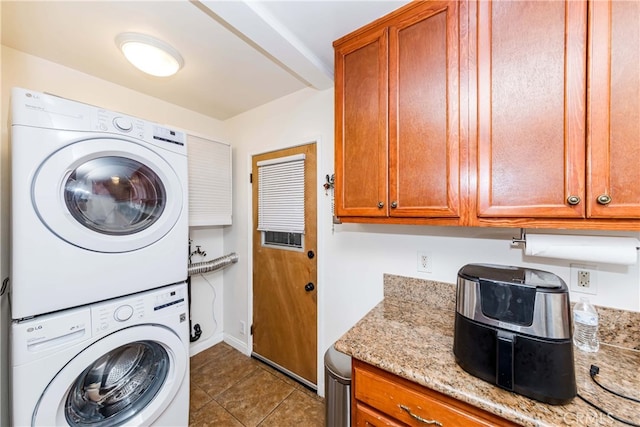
[99, 204]
[123, 362]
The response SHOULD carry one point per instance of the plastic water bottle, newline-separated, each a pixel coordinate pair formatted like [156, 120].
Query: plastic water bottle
[585, 326]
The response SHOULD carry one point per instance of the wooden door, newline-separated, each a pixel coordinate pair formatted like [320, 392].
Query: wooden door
[284, 307]
[531, 58]
[424, 112]
[361, 81]
[614, 110]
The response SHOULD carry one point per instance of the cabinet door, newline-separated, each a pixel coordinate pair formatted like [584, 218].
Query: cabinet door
[423, 112]
[361, 126]
[531, 58]
[614, 110]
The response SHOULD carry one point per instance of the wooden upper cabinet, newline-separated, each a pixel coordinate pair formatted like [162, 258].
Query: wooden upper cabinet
[491, 113]
[361, 81]
[424, 113]
[531, 73]
[397, 115]
[614, 110]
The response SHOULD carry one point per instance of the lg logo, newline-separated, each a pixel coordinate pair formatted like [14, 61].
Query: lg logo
[34, 328]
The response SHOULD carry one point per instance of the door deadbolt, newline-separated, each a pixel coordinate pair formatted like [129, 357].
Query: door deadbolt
[309, 287]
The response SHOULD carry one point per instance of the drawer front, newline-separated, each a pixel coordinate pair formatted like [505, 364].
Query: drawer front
[408, 405]
[368, 417]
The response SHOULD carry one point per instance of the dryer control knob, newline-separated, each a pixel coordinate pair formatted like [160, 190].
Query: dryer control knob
[123, 124]
[123, 313]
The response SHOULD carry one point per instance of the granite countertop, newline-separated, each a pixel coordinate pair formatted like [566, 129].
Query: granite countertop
[410, 334]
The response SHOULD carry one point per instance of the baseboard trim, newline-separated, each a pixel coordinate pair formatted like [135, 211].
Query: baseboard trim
[201, 345]
[241, 346]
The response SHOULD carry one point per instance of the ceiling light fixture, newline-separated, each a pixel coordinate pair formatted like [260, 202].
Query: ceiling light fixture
[149, 54]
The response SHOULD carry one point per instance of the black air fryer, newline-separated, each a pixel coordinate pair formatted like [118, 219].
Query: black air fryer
[513, 329]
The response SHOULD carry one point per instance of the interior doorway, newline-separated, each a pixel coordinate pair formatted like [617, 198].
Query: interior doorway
[285, 280]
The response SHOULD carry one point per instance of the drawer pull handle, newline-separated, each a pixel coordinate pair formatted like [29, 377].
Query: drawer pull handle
[419, 418]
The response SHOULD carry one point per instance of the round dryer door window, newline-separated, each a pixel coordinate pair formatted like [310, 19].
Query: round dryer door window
[115, 195]
[118, 380]
[108, 195]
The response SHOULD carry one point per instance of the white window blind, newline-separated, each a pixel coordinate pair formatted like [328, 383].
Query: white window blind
[209, 182]
[281, 194]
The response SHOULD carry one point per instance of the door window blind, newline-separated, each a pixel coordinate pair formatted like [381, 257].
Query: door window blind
[281, 194]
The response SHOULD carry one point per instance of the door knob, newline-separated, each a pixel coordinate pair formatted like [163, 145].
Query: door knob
[604, 199]
[310, 254]
[309, 287]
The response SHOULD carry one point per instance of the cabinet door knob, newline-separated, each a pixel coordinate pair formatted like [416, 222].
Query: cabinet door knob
[573, 200]
[604, 199]
[309, 287]
[381, 205]
[394, 204]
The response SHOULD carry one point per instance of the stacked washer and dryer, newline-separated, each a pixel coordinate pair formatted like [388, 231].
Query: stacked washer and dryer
[99, 249]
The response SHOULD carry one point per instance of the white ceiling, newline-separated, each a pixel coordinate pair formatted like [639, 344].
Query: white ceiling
[238, 54]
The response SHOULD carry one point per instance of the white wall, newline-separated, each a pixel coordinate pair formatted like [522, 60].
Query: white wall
[207, 288]
[352, 257]
[19, 69]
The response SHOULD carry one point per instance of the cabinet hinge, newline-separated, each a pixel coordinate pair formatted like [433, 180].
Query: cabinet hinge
[251, 330]
[251, 178]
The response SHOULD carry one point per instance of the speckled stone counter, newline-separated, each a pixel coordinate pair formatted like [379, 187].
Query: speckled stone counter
[410, 334]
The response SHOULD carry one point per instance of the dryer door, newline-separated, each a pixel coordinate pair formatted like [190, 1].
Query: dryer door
[119, 380]
[107, 195]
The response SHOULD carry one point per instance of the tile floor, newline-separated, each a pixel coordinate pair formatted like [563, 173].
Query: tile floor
[231, 389]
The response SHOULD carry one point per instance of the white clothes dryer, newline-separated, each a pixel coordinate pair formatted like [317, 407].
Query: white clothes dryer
[99, 204]
[123, 362]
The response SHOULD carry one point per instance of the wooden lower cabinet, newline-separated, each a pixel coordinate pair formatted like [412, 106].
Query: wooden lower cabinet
[384, 399]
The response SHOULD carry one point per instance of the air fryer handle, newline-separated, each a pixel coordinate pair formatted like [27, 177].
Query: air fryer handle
[504, 364]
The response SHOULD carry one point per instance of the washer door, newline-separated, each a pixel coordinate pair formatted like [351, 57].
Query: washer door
[119, 380]
[107, 195]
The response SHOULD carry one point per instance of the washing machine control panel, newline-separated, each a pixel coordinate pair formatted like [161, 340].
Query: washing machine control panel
[123, 124]
[170, 299]
[123, 311]
[114, 315]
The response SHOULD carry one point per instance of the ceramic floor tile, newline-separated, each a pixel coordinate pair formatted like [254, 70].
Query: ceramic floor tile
[197, 398]
[287, 379]
[215, 353]
[255, 397]
[212, 415]
[229, 389]
[298, 409]
[217, 376]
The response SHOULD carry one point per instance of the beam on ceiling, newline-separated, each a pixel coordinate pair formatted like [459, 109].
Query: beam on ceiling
[254, 24]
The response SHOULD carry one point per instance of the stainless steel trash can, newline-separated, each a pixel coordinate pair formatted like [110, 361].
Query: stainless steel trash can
[337, 391]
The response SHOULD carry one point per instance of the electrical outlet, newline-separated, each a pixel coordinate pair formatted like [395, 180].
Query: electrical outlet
[243, 328]
[425, 262]
[584, 278]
